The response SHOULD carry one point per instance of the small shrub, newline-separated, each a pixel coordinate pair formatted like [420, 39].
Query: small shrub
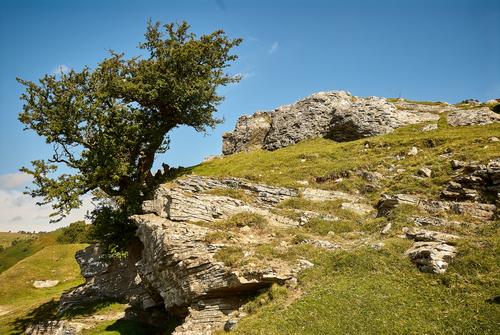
[230, 255]
[217, 236]
[77, 232]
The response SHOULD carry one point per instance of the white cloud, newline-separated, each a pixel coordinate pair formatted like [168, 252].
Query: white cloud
[60, 69]
[19, 211]
[14, 180]
[274, 47]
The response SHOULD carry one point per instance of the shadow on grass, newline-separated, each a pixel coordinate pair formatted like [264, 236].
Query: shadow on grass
[48, 312]
[151, 322]
[134, 327]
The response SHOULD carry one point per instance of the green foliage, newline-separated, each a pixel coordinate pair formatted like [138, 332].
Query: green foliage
[108, 123]
[76, 232]
[112, 227]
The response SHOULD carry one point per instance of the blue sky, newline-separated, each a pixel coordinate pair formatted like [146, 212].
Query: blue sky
[423, 50]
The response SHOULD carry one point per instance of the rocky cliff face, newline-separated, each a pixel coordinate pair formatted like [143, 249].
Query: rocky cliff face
[336, 115]
[196, 261]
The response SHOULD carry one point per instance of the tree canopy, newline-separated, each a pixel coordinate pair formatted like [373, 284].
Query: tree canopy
[108, 123]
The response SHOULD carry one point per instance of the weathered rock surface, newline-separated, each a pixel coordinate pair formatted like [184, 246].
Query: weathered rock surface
[433, 221]
[472, 117]
[106, 279]
[423, 235]
[337, 115]
[181, 267]
[54, 328]
[431, 256]
[480, 211]
[185, 200]
[45, 283]
[474, 182]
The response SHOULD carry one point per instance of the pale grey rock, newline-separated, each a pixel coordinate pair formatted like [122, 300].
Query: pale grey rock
[59, 327]
[425, 172]
[492, 101]
[181, 267]
[265, 194]
[249, 134]
[337, 115]
[388, 202]
[423, 235]
[386, 229]
[413, 151]
[106, 279]
[45, 283]
[470, 102]
[207, 316]
[473, 117]
[433, 221]
[480, 211]
[430, 127]
[322, 244]
[494, 139]
[437, 108]
[431, 257]
[184, 201]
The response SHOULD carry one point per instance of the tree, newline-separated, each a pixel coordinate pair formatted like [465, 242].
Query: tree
[107, 124]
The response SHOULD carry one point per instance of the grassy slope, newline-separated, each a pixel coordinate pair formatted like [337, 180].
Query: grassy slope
[20, 298]
[361, 291]
[26, 248]
[364, 291]
[7, 238]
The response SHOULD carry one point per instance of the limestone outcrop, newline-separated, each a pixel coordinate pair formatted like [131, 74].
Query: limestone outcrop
[107, 279]
[472, 117]
[337, 115]
[432, 256]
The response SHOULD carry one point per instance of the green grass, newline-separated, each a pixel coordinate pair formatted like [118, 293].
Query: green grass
[381, 292]
[321, 157]
[427, 103]
[6, 238]
[25, 248]
[21, 299]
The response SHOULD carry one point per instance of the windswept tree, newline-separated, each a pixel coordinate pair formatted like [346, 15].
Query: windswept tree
[107, 124]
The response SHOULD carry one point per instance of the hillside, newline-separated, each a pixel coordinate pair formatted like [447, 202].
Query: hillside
[396, 233]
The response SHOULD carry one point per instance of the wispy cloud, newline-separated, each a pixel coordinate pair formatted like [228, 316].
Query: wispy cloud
[60, 69]
[274, 47]
[16, 180]
[19, 211]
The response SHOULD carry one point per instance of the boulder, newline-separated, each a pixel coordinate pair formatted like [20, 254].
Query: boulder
[431, 256]
[45, 283]
[107, 279]
[182, 268]
[423, 235]
[337, 115]
[425, 172]
[473, 117]
[249, 133]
